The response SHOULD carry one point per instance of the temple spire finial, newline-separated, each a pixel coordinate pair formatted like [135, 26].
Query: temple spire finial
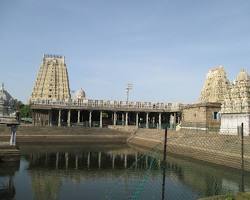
[2, 88]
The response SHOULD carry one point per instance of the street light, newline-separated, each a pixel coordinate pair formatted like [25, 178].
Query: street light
[128, 88]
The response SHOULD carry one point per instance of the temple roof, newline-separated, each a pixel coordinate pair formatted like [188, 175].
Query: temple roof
[80, 94]
[4, 95]
[243, 76]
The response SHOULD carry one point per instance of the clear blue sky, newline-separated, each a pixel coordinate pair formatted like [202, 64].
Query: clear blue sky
[163, 47]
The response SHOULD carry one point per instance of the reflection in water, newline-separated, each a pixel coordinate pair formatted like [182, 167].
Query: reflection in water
[163, 182]
[7, 188]
[120, 173]
[44, 186]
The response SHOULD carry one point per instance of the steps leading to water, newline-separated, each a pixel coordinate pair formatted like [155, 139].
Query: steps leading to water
[69, 135]
[9, 153]
[213, 148]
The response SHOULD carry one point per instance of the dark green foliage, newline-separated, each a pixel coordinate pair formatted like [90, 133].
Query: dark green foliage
[25, 111]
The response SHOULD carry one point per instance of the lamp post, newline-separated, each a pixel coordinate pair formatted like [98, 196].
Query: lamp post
[128, 88]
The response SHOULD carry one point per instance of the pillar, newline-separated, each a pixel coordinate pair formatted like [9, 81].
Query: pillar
[59, 118]
[137, 120]
[99, 159]
[13, 135]
[115, 118]
[69, 113]
[179, 120]
[78, 116]
[50, 118]
[174, 118]
[126, 119]
[90, 118]
[159, 121]
[33, 118]
[146, 120]
[146, 162]
[100, 119]
[122, 118]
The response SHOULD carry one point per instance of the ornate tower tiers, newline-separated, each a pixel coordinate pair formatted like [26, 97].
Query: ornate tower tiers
[52, 81]
[236, 106]
[215, 86]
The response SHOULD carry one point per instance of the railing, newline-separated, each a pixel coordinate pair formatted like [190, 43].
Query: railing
[111, 104]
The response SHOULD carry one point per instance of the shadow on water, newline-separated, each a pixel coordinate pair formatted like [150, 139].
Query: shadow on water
[118, 172]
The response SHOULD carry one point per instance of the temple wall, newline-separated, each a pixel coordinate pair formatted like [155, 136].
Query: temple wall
[230, 123]
[201, 117]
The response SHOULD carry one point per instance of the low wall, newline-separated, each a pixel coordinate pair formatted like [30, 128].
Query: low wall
[69, 135]
[128, 129]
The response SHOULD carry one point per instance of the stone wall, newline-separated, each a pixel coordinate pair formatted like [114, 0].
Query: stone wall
[201, 117]
[214, 148]
[71, 135]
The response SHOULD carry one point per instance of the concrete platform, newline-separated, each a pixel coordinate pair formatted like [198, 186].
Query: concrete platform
[9, 153]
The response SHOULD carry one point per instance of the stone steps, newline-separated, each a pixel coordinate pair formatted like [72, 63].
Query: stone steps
[9, 153]
[214, 148]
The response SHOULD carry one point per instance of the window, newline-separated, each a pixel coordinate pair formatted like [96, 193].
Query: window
[215, 115]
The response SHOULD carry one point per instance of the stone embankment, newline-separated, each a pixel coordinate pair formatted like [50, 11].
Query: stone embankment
[8, 153]
[72, 135]
[214, 148]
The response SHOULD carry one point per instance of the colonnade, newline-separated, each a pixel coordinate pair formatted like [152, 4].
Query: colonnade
[62, 117]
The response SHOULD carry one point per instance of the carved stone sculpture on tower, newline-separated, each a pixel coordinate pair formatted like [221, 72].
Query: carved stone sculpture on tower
[216, 86]
[52, 81]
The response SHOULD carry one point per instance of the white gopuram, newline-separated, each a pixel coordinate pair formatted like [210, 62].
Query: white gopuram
[236, 106]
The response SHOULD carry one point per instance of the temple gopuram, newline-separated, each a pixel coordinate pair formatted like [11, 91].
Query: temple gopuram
[216, 86]
[236, 106]
[52, 81]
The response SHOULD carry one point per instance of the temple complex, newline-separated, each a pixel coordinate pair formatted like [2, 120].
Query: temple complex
[52, 104]
[236, 106]
[216, 86]
[52, 81]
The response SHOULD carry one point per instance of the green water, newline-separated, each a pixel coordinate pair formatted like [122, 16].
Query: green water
[111, 172]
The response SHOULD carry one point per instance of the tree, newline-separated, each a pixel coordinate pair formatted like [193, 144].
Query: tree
[25, 111]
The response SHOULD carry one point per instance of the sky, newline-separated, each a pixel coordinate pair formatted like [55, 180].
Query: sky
[163, 47]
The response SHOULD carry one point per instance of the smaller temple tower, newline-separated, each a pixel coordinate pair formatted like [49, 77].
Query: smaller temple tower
[52, 82]
[216, 86]
[236, 106]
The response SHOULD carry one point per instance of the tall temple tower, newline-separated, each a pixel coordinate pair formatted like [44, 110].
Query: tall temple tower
[52, 82]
